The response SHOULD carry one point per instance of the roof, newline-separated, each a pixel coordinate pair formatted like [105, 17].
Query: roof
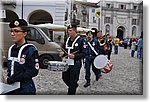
[91, 4]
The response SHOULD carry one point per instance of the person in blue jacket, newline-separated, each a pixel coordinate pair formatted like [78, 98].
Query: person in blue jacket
[91, 43]
[23, 63]
[140, 47]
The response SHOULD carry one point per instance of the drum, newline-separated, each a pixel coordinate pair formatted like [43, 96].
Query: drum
[108, 67]
[100, 61]
[57, 66]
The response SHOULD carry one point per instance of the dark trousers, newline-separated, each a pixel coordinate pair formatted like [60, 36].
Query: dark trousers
[71, 77]
[116, 49]
[108, 52]
[132, 53]
[88, 62]
[125, 46]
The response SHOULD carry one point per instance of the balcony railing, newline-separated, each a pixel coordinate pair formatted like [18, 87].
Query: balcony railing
[120, 10]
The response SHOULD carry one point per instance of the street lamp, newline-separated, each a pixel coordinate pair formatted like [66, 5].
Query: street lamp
[22, 10]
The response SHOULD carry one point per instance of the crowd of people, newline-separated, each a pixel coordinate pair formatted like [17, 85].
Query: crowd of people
[23, 63]
[135, 44]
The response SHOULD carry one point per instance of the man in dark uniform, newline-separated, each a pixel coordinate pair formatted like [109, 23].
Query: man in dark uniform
[23, 63]
[75, 52]
[109, 44]
[93, 49]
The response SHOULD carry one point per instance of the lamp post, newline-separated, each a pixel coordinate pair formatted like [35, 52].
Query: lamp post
[22, 10]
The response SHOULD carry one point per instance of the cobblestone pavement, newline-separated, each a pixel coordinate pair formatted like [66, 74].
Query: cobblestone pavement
[126, 78]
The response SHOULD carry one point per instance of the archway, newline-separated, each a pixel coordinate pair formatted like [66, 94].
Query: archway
[40, 17]
[10, 16]
[120, 32]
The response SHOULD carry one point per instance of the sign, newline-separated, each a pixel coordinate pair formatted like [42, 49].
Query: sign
[2, 14]
[98, 13]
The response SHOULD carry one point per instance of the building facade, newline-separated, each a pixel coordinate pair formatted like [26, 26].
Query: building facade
[120, 18]
[38, 12]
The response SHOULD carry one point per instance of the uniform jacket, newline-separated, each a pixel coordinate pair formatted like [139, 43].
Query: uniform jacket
[95, 44]
[77, 47]
[24, 67]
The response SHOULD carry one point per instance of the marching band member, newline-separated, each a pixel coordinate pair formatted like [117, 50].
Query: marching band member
[23, 63]
[116, 44]
[73, 44]
[92, 50]
[108, 45]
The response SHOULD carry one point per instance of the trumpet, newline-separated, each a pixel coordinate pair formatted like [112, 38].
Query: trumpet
[102, 41]
[110, 40]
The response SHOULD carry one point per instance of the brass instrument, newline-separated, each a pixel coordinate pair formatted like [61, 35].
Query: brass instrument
[102, 41]
[110, 40]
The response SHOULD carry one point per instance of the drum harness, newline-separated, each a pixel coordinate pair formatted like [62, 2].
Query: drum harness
[92, 48]
[69, 48]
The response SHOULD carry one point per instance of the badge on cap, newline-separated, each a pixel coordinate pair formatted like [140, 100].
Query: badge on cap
[16, 23]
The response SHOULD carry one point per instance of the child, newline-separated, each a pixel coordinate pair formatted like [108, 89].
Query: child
[133, 47]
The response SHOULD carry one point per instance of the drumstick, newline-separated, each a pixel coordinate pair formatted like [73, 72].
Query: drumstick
[64, 50]
[72, 52]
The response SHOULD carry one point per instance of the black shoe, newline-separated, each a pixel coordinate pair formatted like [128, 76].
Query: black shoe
[97, 77]
[87, 84]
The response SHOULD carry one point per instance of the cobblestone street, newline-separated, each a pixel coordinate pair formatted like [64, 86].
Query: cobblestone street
[126, 78]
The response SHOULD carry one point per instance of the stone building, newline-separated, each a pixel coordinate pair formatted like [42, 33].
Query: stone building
[117, 17]
[121, 18]
[38, 12]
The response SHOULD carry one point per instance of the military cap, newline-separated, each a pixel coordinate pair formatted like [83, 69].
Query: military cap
[18, 23]
[72, 26]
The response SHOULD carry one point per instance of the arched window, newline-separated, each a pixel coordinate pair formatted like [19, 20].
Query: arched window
[10, 16]
[133, 31]
[40, 17]
[108, 29]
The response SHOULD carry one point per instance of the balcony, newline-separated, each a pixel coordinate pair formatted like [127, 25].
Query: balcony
[9, 3]
[120, 10]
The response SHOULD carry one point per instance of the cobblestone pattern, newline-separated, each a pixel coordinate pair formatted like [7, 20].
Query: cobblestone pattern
[126, 78]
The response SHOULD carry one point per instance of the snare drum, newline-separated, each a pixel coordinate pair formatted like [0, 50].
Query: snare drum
[107, 68]
[57, 66]
[100, 61]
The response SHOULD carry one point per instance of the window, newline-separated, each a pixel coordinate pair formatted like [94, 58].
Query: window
[107, 29]
[134, 22]
[135, 7]
[107, 20]
[122, 6]
[84, 18]
[134, 31]
[93, 10]
[33, 35]
[66, 15]
[94, 20]
[108, 5]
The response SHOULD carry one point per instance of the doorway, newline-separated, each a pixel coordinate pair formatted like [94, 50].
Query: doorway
[120, 32]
